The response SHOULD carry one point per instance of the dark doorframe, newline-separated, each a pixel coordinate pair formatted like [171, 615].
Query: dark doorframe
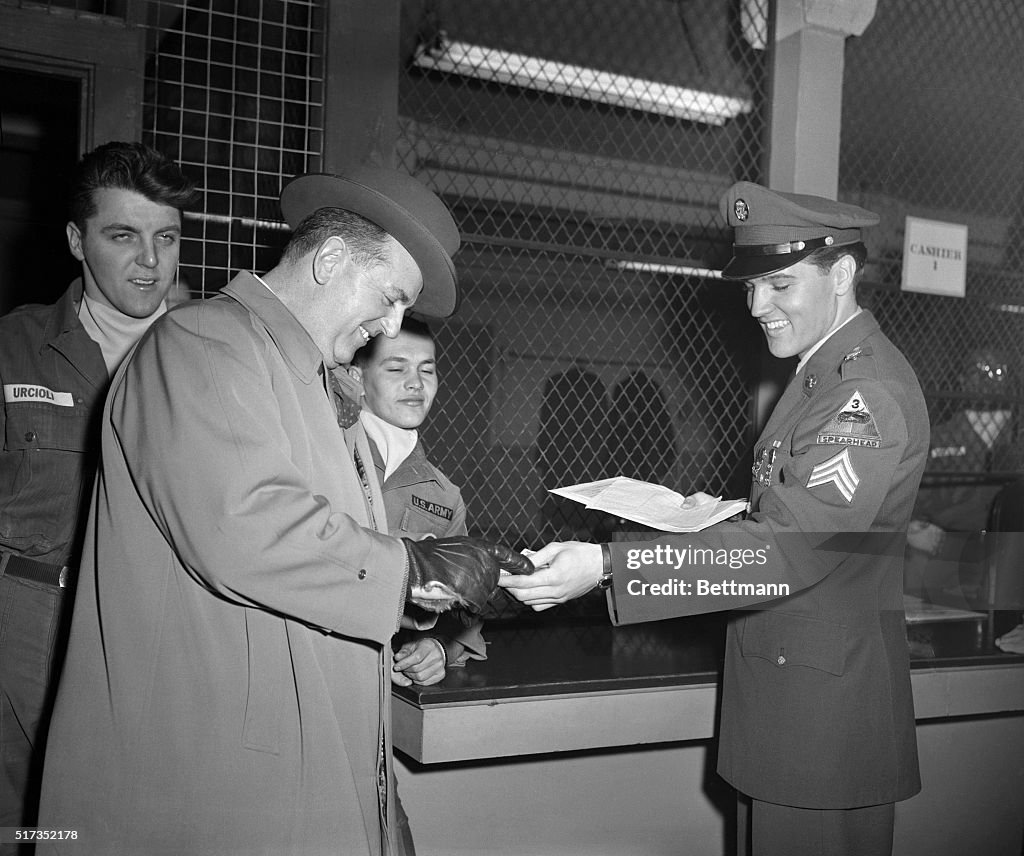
[39, 147]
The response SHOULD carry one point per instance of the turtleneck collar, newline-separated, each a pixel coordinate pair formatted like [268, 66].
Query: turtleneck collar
[113, 331]
[394, 444]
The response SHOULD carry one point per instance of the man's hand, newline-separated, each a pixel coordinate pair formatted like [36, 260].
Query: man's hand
[926, 537]
[564, 571]
[420, 661]
[446, 571]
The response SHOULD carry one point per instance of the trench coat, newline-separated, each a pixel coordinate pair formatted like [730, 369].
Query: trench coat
[226, 689]
[817, 710]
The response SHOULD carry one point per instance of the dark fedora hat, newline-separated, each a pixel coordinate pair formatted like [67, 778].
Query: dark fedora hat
[401, 205]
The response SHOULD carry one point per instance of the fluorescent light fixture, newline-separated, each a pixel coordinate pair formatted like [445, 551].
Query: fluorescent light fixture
[226, 220]
[674, 270]
[542, 75]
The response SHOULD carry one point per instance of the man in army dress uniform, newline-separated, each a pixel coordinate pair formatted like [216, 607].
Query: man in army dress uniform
[817, 719]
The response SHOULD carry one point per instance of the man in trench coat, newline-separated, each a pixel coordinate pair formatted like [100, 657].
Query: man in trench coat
[227, 684]
[817, 719]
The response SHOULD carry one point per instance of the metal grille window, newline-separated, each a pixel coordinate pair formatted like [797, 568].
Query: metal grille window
[233, 92]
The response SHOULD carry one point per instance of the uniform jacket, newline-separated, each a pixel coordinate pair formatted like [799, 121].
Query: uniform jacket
[227, 694]
[420, 501]
[817, 710]
[53, 379]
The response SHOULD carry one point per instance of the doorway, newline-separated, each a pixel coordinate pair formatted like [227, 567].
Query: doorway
[39, 149]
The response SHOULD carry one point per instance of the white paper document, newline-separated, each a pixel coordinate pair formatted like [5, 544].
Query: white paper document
[652, 504]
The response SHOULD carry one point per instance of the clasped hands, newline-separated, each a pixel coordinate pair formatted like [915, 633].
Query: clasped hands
[564, 571]
[463, 570]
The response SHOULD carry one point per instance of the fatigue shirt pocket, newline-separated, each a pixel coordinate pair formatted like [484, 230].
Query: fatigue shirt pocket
[267, 644]
[419, 523]
[32, 426]
[794, 640]
[43, 465]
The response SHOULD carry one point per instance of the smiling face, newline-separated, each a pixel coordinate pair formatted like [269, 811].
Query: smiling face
[799, 306]
[128, 250]
[362, 300]
[400, 379]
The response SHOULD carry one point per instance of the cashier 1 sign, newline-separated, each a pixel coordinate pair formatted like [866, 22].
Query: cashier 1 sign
[935, 257]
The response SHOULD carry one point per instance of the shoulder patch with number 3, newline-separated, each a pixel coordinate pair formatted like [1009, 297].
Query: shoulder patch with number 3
[852, 425]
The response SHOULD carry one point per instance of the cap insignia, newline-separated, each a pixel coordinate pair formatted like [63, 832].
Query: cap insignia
[741, 210]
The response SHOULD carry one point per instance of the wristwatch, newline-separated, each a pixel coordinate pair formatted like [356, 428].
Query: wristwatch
[606, 571]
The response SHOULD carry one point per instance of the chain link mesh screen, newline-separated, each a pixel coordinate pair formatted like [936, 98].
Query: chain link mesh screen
[579, 143]
[932, 119]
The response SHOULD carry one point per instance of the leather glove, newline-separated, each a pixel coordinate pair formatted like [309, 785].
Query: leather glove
[463, 570]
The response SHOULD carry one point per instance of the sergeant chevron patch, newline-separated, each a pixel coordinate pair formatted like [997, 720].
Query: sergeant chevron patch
[837, 470]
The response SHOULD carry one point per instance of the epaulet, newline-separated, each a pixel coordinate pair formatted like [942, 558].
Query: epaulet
[860, 362]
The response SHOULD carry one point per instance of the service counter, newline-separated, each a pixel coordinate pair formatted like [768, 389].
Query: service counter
[576, 737]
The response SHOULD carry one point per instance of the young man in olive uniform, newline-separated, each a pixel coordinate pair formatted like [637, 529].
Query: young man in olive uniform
[817, 719]
[55, 365]
[399, 382]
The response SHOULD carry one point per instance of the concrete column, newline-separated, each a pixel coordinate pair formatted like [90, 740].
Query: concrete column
[807, 91]
[806, 118]
[361, 83]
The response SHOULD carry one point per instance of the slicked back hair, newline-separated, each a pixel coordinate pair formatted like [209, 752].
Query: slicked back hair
[824, 258]
[127, 166]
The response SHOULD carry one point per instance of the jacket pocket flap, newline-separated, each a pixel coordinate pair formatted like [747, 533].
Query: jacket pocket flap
[795, 640]
[44, 426]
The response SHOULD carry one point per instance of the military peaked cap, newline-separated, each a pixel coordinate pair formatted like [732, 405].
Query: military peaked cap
[773, 230]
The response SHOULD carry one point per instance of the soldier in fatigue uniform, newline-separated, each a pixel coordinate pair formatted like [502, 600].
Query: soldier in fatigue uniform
[817, 718]
[399, 382]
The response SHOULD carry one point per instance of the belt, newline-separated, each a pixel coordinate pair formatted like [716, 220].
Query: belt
[29, 569]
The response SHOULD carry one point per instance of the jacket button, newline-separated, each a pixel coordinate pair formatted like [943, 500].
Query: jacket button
[781, 661]
[362, 574]
[30, 436]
